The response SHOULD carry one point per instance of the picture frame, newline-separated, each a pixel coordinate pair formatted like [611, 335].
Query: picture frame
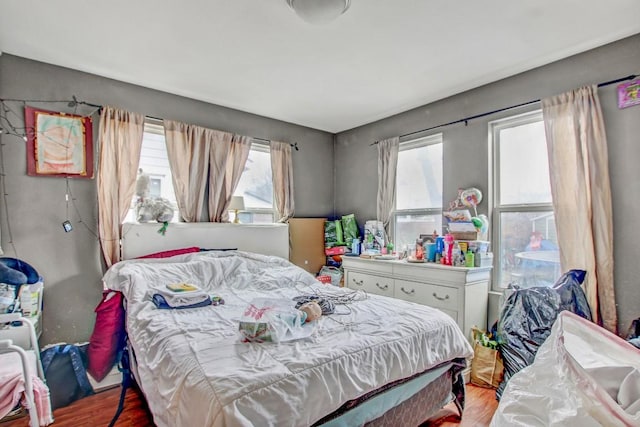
[58, 144]
[629, 94]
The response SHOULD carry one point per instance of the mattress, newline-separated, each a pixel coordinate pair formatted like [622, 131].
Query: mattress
[194, 369]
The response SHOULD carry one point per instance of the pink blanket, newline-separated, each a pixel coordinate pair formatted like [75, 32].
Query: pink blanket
[12, 388]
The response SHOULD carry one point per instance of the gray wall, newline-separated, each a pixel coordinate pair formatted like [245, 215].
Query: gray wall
[466, 148]
[71, 262]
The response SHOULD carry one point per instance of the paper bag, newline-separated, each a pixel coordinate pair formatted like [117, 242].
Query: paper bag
[486, 368]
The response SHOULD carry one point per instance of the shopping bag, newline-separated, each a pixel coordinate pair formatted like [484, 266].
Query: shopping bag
[487, 369]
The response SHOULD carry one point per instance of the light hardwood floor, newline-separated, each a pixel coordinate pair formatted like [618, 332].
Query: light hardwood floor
[98, 410]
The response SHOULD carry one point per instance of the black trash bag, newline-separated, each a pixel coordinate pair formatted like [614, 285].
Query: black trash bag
[524, 323]
[633, 335]
[527, 316]
[572, 297]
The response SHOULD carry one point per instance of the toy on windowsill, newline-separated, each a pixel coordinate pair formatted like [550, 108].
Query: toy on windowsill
[151, 208]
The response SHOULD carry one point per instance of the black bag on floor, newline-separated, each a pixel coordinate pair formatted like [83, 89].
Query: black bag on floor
[527, 316]
[64, 370]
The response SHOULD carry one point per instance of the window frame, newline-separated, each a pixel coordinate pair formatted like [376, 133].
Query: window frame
[410, 144]
[497, 208]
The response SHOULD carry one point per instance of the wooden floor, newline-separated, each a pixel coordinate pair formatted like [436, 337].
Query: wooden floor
[98, 410]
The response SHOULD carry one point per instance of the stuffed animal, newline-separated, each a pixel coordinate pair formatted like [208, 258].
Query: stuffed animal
[154, 209]
[150, 208]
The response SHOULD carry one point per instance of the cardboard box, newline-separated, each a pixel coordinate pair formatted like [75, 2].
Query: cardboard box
[306, 237]
[464, 235]
[462, 230]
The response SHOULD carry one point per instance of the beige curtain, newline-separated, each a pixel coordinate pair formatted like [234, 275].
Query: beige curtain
[120, 139]
[282, 172]
[578, 163]
[228, 156]
[188, 149]
[387, 166]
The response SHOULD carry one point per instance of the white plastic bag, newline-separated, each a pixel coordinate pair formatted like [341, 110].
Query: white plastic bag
[273, 320]
[333, 272]
[582, 376]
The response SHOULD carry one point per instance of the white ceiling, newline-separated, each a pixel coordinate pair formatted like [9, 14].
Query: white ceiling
[381, 58]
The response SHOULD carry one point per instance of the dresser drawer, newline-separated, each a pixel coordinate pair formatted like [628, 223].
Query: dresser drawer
[370, 283]
[434, 296]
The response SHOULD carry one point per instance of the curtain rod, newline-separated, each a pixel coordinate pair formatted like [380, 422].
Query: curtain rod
[293, 145]
[74, 102]
[488, 113]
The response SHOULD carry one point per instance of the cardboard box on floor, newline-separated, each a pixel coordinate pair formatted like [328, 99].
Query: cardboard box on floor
[306, 236]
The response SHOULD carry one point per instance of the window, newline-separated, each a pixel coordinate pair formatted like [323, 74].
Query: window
[524, 233]
[256, 187]
[256, 183]
[418, 190]
[154, 162]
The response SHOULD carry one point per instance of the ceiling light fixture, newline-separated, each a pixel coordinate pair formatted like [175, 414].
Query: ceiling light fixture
[319, 11]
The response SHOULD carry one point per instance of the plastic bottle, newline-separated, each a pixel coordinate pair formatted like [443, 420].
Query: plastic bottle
[448, 254]
[469, 259]
[390, 248]
[355, 246]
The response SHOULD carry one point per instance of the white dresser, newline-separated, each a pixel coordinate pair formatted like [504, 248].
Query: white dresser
[460, 292]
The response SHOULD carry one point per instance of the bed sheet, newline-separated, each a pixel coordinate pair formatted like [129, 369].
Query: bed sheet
[194, 369]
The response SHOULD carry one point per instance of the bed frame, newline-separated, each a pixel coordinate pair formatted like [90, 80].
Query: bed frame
[144, 239]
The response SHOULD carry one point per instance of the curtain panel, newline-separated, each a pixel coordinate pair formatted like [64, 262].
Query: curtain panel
[206, 166]
[227, 157]
[282, 172]
[120, 140]
[188, 148]
[387, 167]
[579, 172]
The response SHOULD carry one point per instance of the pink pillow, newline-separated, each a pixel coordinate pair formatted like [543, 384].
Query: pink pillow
[108, 335]
[173, 252]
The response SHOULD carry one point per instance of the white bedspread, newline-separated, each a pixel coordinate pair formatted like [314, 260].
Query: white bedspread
[195, 371]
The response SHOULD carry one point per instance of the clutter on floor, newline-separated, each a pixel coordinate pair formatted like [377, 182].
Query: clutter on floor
[583, 375]
[527, 316]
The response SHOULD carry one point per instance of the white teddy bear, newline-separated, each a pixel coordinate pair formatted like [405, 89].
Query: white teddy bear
[150, 208]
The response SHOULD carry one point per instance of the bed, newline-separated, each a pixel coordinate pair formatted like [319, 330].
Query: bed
[376, 361]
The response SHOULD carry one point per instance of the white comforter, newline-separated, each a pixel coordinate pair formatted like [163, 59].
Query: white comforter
[195, 371]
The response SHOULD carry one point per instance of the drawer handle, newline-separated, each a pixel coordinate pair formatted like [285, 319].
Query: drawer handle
[359, 283]
[411, 292]
[384, 288]
[446, 297]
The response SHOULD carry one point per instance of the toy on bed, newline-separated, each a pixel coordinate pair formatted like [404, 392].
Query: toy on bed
[151, 208]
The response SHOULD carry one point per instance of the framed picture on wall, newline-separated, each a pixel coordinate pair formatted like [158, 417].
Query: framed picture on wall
[58, 144]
